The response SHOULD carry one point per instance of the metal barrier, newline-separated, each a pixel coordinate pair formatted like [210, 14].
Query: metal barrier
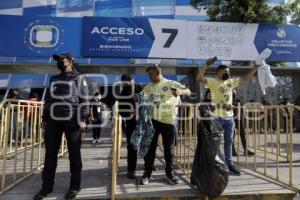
[186, 142]
[21, 141]
[269, 134]
[116, 150]
[268, 130]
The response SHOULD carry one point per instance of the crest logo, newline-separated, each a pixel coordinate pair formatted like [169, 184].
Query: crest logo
[281, 33]
[165, 89]
[43, 35]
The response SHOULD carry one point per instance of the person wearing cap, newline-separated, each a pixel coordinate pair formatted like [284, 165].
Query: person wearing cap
[221, 98]
[127, 109]
[162, 95]
[66, 110]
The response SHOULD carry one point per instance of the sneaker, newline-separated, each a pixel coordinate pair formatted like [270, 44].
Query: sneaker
[233, 170]
[97, 141]
[130, 175]
[146, 179]
[41, 195]
[71, 194]
[234, 153]
[249, 153]
[94, 141]
[172, 179]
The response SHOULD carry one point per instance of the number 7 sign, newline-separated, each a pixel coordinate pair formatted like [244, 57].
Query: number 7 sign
[170, 38]
[173, 33]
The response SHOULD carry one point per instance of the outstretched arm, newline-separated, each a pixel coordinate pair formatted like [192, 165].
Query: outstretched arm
[249, 75]
[200, 76]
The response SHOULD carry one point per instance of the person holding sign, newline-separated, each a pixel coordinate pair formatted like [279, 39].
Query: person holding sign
[221, 97]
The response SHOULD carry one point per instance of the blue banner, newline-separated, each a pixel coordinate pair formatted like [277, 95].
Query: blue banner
[284, 41]
[30, 36]
[238, 41]
[116, 37]
[104, 37]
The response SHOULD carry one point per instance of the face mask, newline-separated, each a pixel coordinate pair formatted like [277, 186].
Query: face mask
[61, 66]
[225, 76]
[128, 88]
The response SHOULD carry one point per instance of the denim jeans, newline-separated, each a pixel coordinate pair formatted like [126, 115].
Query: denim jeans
[228, 126]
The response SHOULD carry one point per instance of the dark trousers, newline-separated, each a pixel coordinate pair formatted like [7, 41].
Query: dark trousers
[96, 130]
[131, 152]
[168, 132]
[242, 134]
[53, 137]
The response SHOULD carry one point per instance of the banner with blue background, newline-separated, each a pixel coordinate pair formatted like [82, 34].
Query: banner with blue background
[28, 36]
[116, 37]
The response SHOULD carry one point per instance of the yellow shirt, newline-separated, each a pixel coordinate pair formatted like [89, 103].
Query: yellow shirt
[162, 101]
[221, 93]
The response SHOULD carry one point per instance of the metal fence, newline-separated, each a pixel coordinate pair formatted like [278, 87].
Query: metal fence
[21, 141]
[268, 131]
[116, 149]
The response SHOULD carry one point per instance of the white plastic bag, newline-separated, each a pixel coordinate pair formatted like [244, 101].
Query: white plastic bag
[263, 56]
[266, 78]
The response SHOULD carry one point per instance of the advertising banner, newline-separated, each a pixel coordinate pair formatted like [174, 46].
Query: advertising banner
[29, 36]
[133, 37]
[161, 38]
[237, 41]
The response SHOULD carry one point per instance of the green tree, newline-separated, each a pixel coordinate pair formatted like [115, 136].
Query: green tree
[295, 8]
[245, 11]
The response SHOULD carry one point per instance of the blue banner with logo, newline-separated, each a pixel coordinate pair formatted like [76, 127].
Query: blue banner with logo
[116, 37]
[29, 36]
[284, 41]
[237, 41]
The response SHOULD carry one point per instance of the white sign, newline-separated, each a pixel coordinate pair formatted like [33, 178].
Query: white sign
[170, 38]
[227, 41]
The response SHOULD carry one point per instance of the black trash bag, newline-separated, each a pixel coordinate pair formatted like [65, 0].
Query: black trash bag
[209, 173]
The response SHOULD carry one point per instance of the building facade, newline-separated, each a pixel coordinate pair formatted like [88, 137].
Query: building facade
[166, 9]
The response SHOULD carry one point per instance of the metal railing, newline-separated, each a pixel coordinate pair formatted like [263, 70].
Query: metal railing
[21, 141]
[269, 134]
[268, 130]
[116, 149]
[186, 142]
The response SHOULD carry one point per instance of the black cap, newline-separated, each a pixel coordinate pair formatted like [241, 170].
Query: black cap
[62, 56]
